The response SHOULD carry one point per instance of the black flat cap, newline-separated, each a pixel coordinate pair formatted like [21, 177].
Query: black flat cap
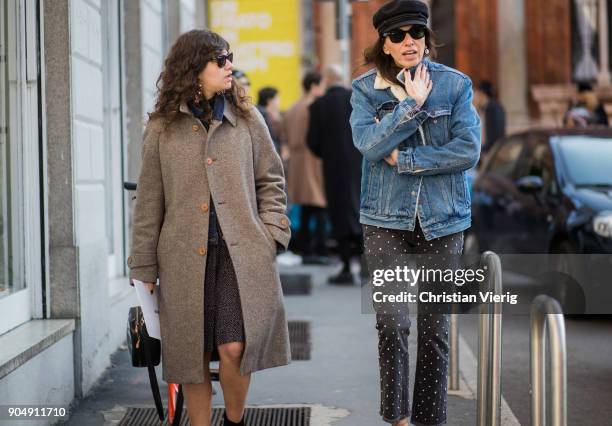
[398, 13]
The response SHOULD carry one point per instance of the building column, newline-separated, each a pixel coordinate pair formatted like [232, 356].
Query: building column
[200, 14]
[603, 78]
[512, 66]
[63, 275]
[173, 21]
[330, 47]
[132, 74]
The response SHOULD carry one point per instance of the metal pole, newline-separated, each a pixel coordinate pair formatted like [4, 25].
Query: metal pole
[547, 316]
[454, 353]
[489, 348]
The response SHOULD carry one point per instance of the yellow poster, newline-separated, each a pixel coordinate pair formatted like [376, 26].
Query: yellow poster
[265, 38]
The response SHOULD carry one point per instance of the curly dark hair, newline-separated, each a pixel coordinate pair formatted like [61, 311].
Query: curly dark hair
[178, 81]
[375, 55]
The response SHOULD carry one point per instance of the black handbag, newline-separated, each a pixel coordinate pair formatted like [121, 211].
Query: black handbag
[145, 351]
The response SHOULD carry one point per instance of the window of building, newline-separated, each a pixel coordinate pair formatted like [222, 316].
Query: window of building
[113, 139]
[20, 224]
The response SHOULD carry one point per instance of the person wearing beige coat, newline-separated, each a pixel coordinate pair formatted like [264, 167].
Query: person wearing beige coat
[305, 171]
[187, 171]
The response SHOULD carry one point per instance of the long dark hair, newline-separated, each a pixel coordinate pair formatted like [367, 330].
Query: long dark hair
[375, 55]
[178, 82]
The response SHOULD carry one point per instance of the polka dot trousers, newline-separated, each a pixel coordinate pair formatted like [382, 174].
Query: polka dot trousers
[386, 249]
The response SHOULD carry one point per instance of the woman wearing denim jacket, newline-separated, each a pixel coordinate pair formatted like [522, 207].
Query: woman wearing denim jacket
[418, 139]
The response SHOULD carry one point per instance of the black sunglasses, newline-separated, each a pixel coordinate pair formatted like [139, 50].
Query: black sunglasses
[222, 59]
[398, 35]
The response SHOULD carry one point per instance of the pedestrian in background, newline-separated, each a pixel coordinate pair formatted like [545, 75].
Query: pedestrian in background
[586, 110]
[330, 138]
[492, 114]
[243, 80]
[414, 122]
[305, 173]
[208, 219]
[268, 104]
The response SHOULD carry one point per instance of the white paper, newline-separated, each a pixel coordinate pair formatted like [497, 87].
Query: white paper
[149, 303]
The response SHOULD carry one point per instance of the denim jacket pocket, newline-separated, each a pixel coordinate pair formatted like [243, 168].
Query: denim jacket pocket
[437, 127]
[370, 187]
[385, 108]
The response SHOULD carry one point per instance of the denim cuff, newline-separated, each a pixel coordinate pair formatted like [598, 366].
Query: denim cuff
[413, 111]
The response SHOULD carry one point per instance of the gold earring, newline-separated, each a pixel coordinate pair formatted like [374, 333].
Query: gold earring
[197, 98]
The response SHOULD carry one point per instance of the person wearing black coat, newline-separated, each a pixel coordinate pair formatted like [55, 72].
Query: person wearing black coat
[330, 138]
[494, 120]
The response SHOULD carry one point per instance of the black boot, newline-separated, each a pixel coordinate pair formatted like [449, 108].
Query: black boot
[345, 277]
[227, 422]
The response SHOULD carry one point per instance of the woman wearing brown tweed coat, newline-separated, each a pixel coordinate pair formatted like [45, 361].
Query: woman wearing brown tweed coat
[208, 220]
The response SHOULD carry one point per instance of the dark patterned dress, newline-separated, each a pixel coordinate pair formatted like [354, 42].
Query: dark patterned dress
[222, 309]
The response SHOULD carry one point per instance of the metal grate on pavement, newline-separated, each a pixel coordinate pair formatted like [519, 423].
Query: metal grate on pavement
[254, 416]
[299, 339]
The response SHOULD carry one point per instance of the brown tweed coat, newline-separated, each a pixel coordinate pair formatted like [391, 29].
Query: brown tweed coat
[182, 166]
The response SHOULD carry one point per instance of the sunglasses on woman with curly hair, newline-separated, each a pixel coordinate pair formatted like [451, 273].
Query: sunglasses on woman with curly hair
[222, 59]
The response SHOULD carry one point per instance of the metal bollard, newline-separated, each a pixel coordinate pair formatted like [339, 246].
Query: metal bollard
[547, 315]
[489, 348]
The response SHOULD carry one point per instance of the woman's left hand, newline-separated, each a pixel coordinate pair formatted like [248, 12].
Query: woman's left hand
[391, 159]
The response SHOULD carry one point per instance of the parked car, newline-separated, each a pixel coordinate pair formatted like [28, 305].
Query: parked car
[547, 191]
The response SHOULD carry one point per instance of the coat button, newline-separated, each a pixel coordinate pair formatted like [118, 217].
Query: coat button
[284, 222]
[209, 161]
[413, 193]
[195, 127]
[130, 260]
[204, 207]
[202, 251]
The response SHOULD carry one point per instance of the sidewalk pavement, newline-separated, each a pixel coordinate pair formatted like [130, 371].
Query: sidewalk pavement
[340, 382]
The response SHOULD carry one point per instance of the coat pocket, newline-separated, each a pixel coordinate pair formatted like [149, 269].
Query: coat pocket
[268, 236]
[278, 226]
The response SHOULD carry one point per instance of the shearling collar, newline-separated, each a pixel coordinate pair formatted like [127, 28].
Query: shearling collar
[380, 83]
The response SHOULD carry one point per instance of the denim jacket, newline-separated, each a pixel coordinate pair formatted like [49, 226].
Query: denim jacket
[437, 144]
